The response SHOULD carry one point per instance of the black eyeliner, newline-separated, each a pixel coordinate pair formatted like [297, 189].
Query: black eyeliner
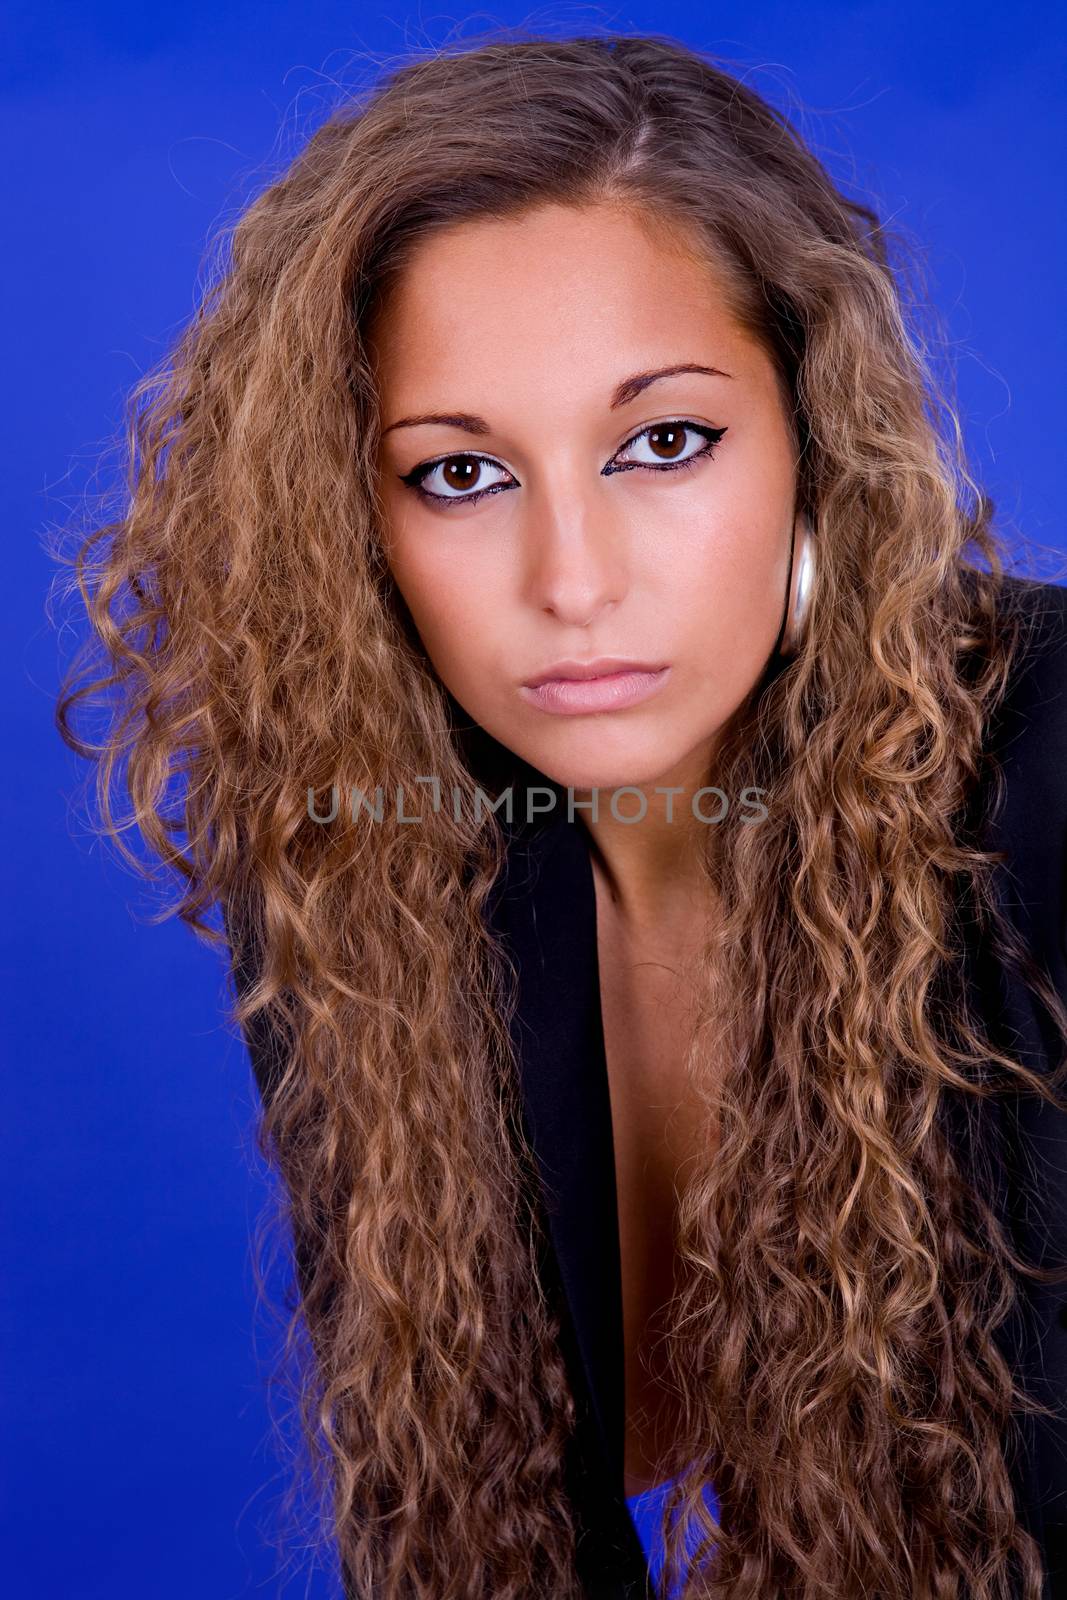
[414, 479]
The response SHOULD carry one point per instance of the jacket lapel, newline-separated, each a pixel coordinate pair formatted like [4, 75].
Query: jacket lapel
[546, 911]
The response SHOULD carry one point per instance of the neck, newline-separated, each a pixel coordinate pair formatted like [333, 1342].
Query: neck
[651, 867]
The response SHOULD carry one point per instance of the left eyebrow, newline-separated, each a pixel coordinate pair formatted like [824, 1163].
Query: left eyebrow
[624, 392]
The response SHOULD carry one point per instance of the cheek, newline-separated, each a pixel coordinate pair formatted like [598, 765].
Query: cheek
[730, 592]
[451, 608]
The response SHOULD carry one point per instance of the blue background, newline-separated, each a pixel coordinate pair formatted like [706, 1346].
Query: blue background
[137, 1456]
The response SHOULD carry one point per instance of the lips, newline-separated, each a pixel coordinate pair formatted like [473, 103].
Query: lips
[597, 691]
[582, 671]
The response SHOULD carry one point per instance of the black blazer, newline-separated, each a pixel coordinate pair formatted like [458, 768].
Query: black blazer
[544, 911]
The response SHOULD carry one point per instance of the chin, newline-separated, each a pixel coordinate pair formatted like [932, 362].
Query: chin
[606, 770]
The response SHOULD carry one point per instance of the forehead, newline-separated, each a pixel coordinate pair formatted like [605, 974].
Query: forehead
[556, 290]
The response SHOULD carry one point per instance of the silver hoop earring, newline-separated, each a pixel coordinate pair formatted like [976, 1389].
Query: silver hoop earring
[801, 579]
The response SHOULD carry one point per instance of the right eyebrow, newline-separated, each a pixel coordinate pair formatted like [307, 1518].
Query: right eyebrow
[624, 392]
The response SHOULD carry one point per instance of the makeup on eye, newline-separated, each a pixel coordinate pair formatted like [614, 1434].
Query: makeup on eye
[712, 436]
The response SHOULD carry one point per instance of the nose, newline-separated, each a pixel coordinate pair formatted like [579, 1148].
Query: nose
[576, 568]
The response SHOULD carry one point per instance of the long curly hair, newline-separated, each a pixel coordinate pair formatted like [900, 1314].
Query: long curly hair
[842, 1277]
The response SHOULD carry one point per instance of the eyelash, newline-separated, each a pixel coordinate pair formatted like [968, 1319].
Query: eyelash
[413, 479]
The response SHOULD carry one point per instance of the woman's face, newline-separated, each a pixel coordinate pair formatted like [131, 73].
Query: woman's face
[513, 359]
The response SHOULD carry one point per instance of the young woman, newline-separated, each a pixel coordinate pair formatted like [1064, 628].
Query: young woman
[637, 794]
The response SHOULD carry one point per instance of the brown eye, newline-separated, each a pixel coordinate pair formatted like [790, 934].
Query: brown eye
[461, 472]
[458, 479]
[668, 439]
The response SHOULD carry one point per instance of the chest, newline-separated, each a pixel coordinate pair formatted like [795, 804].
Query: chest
[658, 1131]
